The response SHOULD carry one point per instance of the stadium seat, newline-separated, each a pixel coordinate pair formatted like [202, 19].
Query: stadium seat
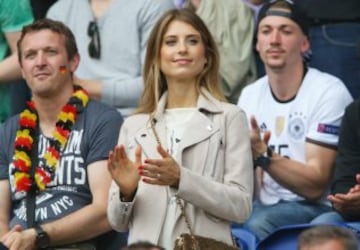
[245, 239]
[285, 238]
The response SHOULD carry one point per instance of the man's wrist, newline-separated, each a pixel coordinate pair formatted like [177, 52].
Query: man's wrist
[264, 160]
[42, 239]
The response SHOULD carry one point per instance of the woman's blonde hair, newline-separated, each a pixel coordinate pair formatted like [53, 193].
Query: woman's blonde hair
[154, 80]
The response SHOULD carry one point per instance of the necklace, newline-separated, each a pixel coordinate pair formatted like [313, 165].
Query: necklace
[24, 142]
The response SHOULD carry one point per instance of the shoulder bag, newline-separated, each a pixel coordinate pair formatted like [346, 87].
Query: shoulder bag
[190, 241]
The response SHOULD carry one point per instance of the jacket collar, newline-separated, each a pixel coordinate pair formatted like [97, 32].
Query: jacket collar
[206, 102]
[207, 106]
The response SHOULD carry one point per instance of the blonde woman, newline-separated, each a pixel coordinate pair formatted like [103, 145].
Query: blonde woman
[185, 142]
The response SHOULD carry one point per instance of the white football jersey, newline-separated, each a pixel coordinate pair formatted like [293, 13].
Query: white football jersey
[313, 114]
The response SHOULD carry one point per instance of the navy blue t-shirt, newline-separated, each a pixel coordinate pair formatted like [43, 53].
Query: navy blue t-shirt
[93, 135]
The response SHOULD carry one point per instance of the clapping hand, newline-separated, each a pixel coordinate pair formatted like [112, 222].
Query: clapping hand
[164, 171]
[123, 171]
[349, 202]
[258, 144]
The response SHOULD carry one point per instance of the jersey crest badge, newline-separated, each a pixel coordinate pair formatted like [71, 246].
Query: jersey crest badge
[296, 126]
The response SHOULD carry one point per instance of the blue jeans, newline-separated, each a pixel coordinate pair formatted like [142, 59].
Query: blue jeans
[330, 217]
[266, 219]
[336, 50]
[335, 218]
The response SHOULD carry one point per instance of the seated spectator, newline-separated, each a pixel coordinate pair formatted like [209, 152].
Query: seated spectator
[232, 26]
[295, 113]
[345, 189]
[112, 38]
[53, 176]
[327, 237]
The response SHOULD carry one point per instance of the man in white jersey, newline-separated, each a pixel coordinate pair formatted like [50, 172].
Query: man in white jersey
[294, 113]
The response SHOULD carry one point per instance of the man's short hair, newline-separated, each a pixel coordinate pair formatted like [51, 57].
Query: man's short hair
[318, 235]
[54, 26]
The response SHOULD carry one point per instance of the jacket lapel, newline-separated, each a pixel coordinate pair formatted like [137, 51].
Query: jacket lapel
[206, 108]
[201, 126]
[198, 129]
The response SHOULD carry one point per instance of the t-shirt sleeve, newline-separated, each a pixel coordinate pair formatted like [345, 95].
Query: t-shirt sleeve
[104, 136]
[325, 122]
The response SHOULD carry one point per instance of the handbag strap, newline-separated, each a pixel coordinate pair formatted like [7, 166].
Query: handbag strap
[31, 195]
[186, 217]
[178, 201]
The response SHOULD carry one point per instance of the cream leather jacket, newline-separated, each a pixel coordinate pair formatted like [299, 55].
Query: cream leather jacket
[216, 180]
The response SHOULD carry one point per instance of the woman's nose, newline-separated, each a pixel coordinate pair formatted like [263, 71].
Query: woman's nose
[182, 47]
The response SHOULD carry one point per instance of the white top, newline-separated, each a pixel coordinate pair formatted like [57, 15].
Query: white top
[315, 113]
[176, 121]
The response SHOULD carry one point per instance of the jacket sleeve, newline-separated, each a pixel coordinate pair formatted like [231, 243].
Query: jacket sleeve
[119, 212]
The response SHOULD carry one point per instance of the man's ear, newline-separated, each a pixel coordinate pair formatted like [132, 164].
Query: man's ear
[305, 45]
[74, 63]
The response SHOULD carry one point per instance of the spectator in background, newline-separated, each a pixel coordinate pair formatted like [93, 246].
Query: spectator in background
[40, 7]
[13, 16]
[327, 237]
[232, 26]
[255, 5]
[112, 38]
[295, 114]
[345, 189]
[335, 38]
